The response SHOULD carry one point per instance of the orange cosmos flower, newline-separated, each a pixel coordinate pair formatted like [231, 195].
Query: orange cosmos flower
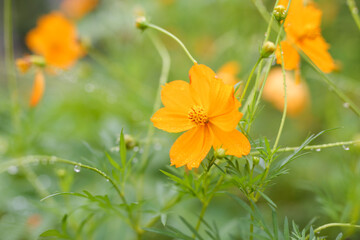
[302, 27]
[297, 93]
[55, 38]
[207, 109]
[76, 9]
[228, 73]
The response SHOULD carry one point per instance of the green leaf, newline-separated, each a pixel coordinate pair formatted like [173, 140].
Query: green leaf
[275, 225]
[52, 234]
[192, 229]
[163, 218]
[267, 199]
[122, 149]
[312, 235]
[174, 234]
[339, 237]
[286, 229]
[112, 161]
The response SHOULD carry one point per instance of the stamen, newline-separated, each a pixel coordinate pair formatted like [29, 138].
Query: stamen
[198, 115]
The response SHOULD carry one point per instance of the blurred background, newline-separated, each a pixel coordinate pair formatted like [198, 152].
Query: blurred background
[113, 87]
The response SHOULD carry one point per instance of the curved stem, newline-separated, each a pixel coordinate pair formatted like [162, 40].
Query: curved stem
[329, 225]
[150, 25]
[354, 12]
[165, 57]
[313, 147]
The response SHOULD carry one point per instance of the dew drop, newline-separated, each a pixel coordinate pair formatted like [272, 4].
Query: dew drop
[346, 105]
[318, 149]
[136, 149]
[346, 148]
[77, 168]
[12, 170]
[107, 180]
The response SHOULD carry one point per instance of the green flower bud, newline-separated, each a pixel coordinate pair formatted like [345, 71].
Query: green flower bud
[256, 161]
[267, 49]
[279, 13]
[220, 153]
[141, 23]
[130, 142]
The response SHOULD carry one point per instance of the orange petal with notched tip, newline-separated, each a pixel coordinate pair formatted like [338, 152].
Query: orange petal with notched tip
[234, 142]
[38, 89]
[176, 95]
[291, 56]
[171, 120]
[191, 147]
[200, 78]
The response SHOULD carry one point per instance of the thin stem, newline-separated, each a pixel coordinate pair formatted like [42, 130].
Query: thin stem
[165, 57]
[354, 12]
[332, 85]
[249, 79]
[329, 225]
[251, 237]
[52, 159]
[285, 103]
[313, 147]
[10, 64]
[202, 213]
[150, 25]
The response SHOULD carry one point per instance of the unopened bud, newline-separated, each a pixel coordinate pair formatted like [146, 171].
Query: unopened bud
[141, 23]
[267, 49]
[38, 60]
[256, 161]
[279, 13]
[130, 142]
[220, 153]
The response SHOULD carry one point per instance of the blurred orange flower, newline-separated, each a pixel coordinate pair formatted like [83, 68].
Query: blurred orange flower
[228, 73]
[298, 96]
[77, 9]
[207, 109]
[302, 27]
[55, 38]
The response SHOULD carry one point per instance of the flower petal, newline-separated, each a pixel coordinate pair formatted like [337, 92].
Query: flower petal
[171, 121]
[291, 56]
[38, 89]
[176, 95]
[317, 50]
[235, 143]
[191, 147]
[200, 78]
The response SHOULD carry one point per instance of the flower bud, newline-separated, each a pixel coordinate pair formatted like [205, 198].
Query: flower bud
[267, 49]
[279, 13]
[38, 60]
[130, 142]
[220, 153]
[141, 23]
[256, 161]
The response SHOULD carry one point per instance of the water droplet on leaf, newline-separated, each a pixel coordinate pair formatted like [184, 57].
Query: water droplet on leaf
[77, 168]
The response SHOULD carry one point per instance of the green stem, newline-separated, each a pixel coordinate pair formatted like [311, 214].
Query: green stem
[285, 103]
[165, 57]
[10, 64]
[202, 213]
[52, 159]
[329, 225]
[354, 12]
[251, 237]
[313, 147]
[249, 79]
[150, 25]
[332, 85]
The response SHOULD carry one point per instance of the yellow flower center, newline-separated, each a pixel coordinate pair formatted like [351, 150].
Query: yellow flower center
[198, 115]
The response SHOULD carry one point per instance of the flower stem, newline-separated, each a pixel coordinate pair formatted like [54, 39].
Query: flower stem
[348, 225]
[313, 147]
[249, 79]
[354, 12]
[165, 57]
[10, 64]
[332, 85]
[285, 103]
[150, 25]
